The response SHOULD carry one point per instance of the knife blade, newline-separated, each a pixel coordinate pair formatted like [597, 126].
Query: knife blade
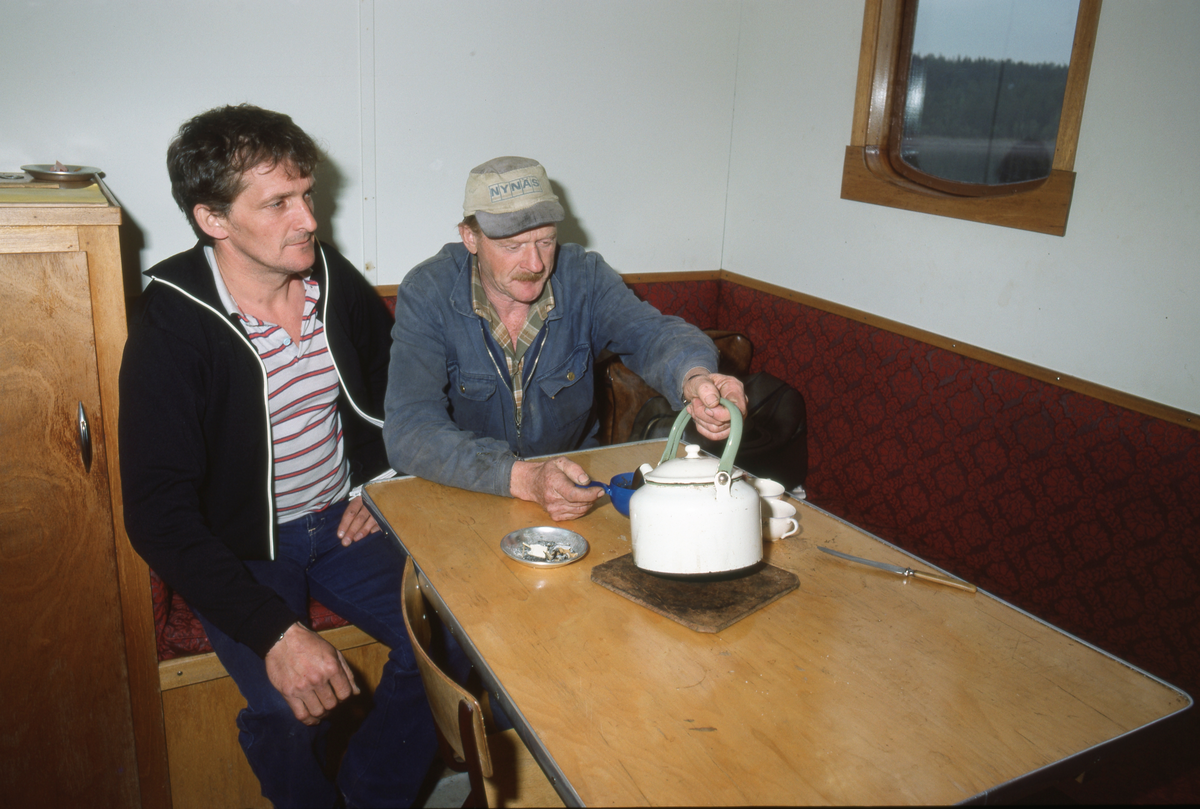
[903, 571]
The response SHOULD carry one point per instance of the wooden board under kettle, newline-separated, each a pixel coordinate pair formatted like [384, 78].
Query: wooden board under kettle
[701, 604]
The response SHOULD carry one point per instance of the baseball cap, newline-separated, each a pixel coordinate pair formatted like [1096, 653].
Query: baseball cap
[508, 195]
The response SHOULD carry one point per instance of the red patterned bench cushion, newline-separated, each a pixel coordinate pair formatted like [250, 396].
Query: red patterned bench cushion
[178, 632]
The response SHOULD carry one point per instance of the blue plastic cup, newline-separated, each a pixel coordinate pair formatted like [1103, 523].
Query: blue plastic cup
[620, 489]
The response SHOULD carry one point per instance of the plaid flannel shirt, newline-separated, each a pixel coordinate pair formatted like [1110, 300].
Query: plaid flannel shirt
[514, 354]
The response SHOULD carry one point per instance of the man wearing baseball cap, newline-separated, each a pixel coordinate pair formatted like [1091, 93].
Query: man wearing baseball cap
[495, 342]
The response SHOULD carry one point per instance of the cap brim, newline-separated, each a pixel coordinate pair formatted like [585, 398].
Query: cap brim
[503, 225]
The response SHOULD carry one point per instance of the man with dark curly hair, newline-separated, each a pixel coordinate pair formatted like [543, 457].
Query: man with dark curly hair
[252, 393]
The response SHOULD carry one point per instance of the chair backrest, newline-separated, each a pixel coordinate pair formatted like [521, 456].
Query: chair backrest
[621, 394]
[445, 695]
[774, 438]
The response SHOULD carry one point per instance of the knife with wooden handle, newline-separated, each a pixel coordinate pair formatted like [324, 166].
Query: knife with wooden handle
[904, 571]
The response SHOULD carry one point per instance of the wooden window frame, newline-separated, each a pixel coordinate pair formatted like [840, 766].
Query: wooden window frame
[868, 175]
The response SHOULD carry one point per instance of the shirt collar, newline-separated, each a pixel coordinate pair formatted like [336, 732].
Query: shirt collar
[223, 291]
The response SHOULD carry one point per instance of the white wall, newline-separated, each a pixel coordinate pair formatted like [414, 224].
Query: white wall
[682, 134]
[1113, 302]
[107, 84]
[627, 103]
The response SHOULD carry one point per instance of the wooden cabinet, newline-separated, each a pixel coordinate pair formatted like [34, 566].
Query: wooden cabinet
[81, 715]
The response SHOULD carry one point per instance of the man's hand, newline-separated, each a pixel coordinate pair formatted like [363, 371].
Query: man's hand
[703, 393]
[311, 675]
[356, 523]
[552, 485]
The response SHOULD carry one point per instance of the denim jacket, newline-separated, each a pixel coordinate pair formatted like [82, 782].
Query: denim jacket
[450, 416]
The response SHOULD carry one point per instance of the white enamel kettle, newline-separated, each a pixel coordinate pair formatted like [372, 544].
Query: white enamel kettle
[696, 515]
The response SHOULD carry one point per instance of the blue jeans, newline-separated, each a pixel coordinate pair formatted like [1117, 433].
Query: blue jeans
[388, 757]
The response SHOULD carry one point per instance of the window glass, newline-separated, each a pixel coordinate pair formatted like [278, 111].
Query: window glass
[985, 87]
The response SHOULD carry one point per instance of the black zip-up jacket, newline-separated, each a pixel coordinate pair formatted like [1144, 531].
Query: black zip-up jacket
[195, 437]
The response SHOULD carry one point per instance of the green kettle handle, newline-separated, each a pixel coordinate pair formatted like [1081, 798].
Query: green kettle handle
[731, 442]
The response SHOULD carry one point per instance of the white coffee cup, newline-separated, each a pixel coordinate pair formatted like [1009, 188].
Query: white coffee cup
[782, 522]
[768, 489]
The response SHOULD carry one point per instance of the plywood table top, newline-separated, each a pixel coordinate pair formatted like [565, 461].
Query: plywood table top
[860, 687]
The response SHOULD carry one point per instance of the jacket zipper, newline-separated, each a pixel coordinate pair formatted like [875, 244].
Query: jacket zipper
[333, 359]
[499, 373]
[487, 336]
[224, 318]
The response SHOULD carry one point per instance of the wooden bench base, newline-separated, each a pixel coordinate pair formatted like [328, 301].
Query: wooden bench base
[200, 705]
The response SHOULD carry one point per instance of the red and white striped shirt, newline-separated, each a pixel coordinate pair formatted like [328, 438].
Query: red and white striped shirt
[311, 471]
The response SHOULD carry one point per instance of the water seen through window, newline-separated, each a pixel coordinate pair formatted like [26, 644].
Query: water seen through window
[985, 87]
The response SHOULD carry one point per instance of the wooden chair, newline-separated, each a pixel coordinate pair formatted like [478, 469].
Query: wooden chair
[621, 394]
[501, 770]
